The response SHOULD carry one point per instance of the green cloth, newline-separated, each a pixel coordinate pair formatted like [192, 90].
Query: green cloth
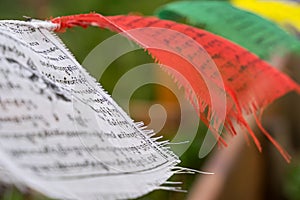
[259, 35]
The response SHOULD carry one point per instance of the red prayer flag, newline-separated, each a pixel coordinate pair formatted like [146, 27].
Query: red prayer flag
[217, 71]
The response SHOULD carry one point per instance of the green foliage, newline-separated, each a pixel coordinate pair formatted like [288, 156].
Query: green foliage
[292, 183]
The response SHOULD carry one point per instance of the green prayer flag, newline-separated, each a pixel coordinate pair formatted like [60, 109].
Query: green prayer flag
[255, 33]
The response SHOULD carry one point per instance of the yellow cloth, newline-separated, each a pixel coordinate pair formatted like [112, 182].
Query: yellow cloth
[283, 13]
